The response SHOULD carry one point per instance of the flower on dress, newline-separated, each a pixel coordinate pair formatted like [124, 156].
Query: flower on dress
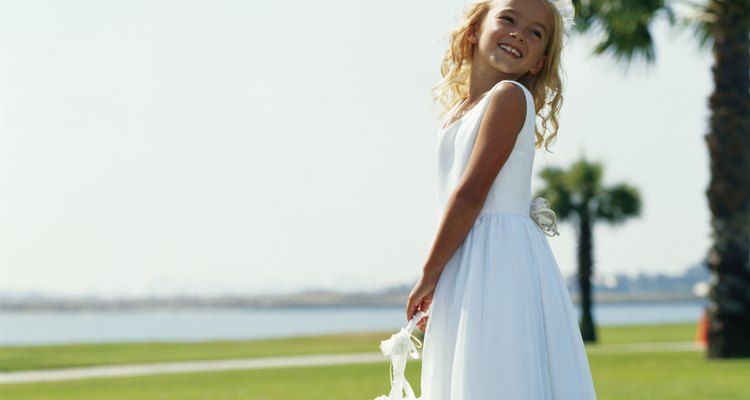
[544, 217]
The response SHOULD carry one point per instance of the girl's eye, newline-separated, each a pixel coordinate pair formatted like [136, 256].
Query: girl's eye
[510, 19]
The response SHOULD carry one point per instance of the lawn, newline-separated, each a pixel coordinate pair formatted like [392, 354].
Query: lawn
[617, 376]
[79, 355]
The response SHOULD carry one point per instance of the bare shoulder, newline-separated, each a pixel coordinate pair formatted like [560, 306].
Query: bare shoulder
[501, 123]
[506, 110]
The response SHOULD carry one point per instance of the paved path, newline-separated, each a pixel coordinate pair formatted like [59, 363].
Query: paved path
[273, 362]
[188, 366]
[645, 347]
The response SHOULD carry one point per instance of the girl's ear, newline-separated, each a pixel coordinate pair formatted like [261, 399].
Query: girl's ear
[538, 65]
[471, 35]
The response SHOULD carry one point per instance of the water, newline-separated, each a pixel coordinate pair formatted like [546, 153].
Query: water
[31, 328]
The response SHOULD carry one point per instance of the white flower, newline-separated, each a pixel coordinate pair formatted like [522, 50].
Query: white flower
[400, 345]
[544, 217]
[398, 348]
[566, 10]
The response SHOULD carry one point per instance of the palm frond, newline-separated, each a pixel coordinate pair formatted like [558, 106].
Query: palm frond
[700, 20]
[625, 26]
[557, 192]
[578, 192]
[617, 204]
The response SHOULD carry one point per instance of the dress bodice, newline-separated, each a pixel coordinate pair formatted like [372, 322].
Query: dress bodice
[511, 189]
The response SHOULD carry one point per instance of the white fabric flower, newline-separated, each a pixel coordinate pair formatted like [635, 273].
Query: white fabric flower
[567, 11]
[399, 347]
[544, 217]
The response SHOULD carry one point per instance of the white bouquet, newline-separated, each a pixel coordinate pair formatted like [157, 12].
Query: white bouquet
[398, 348]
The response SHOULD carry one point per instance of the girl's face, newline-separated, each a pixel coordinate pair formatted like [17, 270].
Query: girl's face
[512, 37]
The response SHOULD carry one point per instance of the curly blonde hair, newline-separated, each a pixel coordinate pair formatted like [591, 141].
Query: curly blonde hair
[545, 87]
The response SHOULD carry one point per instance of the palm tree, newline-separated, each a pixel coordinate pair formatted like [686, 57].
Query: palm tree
[725, 25]
[577, 195]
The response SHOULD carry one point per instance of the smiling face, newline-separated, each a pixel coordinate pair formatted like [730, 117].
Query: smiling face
[512, 37]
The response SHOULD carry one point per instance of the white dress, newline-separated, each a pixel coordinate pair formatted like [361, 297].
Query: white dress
[502, 324]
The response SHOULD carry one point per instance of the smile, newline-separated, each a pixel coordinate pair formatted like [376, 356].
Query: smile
[510, 49]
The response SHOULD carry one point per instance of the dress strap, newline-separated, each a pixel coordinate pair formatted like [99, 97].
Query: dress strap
[486, 94]
[451, 115]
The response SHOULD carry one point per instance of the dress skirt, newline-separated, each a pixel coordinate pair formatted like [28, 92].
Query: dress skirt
[502, 324]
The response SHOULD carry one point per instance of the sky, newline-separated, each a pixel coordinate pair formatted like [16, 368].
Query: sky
[185, 147]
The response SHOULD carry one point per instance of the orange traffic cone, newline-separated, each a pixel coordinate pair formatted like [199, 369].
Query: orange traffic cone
[701, 336]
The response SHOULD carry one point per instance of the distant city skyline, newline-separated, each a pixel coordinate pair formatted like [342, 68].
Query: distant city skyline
[169, 147]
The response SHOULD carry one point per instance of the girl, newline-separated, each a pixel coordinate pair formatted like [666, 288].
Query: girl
[501, 324]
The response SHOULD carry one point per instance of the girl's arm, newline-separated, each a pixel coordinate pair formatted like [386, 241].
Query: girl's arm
[501, 123]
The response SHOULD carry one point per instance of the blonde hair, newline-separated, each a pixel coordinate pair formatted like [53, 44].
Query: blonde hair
[545, 87]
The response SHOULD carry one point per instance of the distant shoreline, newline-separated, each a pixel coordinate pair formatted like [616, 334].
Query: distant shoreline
[304, 300]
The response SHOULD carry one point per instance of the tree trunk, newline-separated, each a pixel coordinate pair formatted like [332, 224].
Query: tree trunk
[729, 189]
[585, 266]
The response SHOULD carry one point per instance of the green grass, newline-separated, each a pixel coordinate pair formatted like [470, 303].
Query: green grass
[678, 375]
[647, 333]
[618, 375]
[360, 381]
[78, 355]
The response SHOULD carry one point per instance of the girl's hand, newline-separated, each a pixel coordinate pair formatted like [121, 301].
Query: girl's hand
[422, 324]
[421, 298]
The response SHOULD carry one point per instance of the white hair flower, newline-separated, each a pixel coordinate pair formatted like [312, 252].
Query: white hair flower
[566, 10]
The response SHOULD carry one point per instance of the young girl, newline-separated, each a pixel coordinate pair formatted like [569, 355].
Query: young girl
[501, 323]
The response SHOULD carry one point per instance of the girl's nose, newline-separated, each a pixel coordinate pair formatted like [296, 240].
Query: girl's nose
[516, 36]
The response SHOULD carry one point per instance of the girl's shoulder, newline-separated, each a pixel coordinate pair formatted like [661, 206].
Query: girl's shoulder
[509, 83]
[509, 94]
[506, 111]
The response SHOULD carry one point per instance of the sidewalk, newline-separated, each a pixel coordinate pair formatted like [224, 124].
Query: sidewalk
[113, 371]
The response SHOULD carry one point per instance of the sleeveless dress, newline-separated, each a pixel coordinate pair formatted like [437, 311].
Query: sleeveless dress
[501, 324]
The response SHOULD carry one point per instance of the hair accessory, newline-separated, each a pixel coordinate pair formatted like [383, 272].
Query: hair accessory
[544, 217]
[567, 11]
[398, 348]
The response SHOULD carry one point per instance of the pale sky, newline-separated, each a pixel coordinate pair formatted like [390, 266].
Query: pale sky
[161, 147]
